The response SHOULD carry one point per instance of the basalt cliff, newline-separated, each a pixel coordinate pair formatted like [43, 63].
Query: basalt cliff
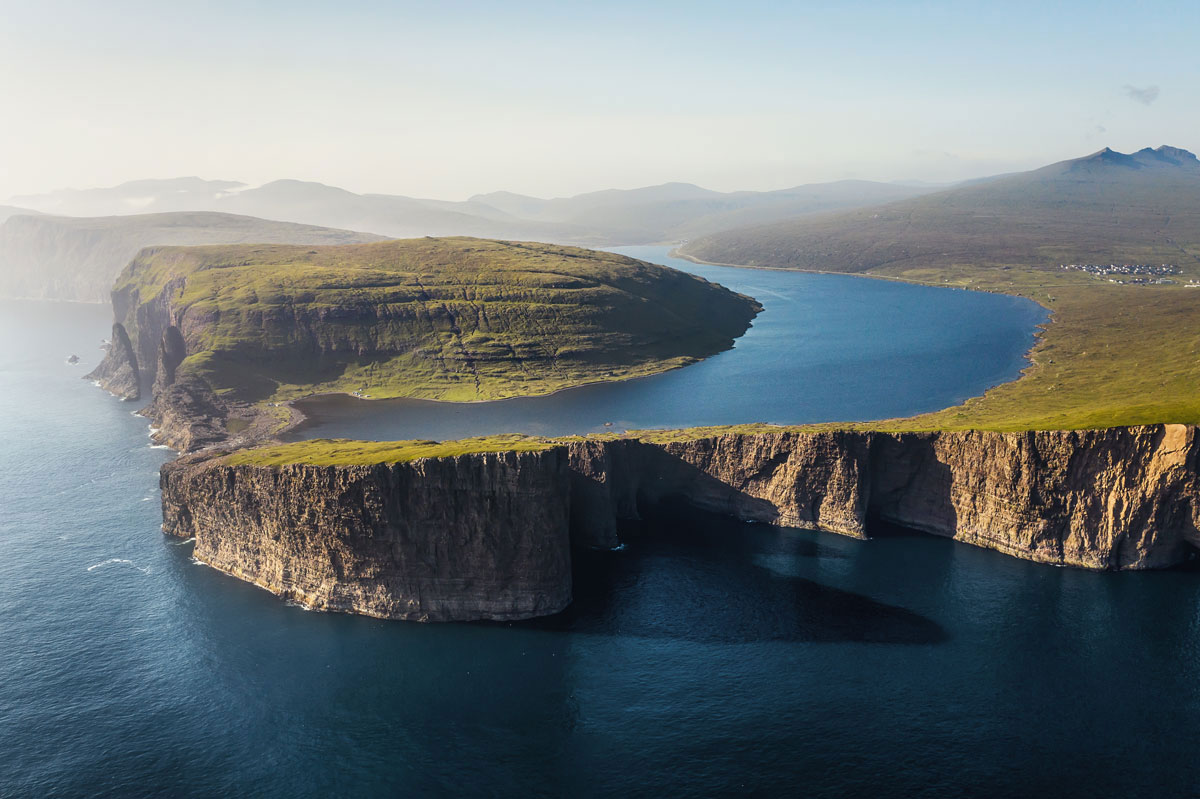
[490, 535]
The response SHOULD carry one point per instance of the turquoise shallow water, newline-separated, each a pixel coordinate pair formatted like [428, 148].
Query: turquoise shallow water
[707, 658]
[825, 348]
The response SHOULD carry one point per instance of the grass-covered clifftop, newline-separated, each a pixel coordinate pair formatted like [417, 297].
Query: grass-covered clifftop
[1113, 354]
[453, 319]
[347, 452]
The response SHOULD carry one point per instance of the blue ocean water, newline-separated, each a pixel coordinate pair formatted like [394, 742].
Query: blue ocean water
[707, 658]
[825, 348]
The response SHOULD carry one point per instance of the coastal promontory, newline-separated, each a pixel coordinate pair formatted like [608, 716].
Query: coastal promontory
[485, 528]
[223, 328]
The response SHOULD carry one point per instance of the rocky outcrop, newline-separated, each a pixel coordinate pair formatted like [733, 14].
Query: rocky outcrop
[118, 373]
[486, 536]
[187, 416]
[471, 537]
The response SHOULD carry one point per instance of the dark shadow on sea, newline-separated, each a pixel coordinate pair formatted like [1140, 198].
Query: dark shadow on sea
[689, 576]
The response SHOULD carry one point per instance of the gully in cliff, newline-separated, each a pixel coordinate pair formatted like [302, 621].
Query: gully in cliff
[482, 529]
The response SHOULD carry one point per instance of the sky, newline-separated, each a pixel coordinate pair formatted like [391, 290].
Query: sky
[448, 99]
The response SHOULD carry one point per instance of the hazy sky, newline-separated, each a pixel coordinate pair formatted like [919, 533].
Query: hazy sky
[445, 99]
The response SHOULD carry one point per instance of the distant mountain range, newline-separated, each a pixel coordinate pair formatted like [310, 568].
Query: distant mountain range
[1101, 208]
[69, 258]
[666, 213]
[1105, 207]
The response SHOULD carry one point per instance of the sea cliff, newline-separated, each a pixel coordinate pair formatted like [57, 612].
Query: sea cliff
[438, 539]
[489, 535]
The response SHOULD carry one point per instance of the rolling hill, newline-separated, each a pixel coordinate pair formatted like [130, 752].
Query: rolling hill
[666, 213]
[1106, 207]
[8, 210]
[73, 258]
[457, 319]
[1115, 353]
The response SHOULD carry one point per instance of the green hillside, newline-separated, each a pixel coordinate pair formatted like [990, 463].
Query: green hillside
[1106, 207]
[77, 258]
[1113, 354]
[346, 452]
[456, 319]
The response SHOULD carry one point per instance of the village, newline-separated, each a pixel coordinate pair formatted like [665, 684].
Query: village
[1136, 274]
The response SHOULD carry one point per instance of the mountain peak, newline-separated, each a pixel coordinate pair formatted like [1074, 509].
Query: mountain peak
[1164, 157]
[1173, 155]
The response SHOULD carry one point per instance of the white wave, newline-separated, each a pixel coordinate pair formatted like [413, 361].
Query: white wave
[197, 562]
[191, 540]
[110, 561]
[159, 446]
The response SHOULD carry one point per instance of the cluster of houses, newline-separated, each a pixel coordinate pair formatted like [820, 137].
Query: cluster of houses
[1136, 274]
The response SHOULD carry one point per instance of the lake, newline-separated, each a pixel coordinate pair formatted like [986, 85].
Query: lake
[825, 348]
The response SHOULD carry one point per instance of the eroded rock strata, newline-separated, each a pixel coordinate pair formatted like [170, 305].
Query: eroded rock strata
[470, 537]
[488, 535]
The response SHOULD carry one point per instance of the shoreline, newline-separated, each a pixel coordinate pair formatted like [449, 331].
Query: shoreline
[1039, 334]
[298, 416]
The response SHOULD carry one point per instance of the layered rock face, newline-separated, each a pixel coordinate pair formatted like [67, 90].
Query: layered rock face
[118, 372]
[471, 537]
[1120, 498]
[487, 536]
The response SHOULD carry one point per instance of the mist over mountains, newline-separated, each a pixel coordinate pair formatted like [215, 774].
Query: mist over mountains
[1104, 207]
[77, 258]
[653, 214]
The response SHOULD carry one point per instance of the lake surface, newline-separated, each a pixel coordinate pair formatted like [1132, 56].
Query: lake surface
[707, 658]
[825, 348]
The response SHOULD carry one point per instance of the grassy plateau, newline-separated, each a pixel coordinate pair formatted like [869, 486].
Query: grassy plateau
[343, 452]
[451, 319]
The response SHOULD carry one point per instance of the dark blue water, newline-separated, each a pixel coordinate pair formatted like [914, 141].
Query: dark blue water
[825, 348]
[707, 658]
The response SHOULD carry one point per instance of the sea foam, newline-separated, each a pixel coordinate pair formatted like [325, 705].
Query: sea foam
[110, 561]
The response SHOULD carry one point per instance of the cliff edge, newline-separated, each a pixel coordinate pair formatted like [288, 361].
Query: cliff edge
[487, 535]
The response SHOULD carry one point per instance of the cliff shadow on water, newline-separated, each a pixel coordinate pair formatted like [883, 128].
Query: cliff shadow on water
[498, 535]
[692, 575]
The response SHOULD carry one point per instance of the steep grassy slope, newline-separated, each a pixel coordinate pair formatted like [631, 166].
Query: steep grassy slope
[458, 319]
[1114, 354]
[67, 258]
